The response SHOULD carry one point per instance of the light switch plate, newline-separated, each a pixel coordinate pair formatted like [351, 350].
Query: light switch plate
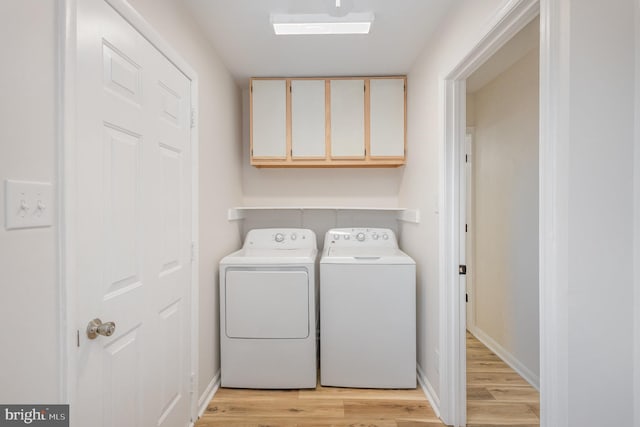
[28, 204]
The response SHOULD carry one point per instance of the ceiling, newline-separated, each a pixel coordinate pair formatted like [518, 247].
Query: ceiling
[242, 35]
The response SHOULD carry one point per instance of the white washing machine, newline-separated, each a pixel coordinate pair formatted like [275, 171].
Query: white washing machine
[367, 310]
[268, 311]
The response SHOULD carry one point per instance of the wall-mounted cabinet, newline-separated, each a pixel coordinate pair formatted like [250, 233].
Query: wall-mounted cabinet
[328, 122]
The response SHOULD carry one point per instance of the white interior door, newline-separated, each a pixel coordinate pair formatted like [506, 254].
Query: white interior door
[133, 228]
[463, 269]
[469, 229]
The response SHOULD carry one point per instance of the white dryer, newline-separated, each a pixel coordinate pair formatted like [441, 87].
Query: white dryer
[367, 310]
[268, 311]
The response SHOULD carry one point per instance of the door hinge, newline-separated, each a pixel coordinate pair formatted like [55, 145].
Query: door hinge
[193, 118]
[466, 158]
[466, 297]
[462, 269]
[78, 337]
[466, 228]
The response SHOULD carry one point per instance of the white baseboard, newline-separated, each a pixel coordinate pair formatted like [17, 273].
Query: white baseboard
[428, 391]
[506, 356]
[208, 394]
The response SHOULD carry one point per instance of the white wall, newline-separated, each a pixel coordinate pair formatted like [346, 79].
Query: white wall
[599, 124]
[636, 261]
[219, 124]
[594, 119]
[505, 224]
[421, 179]
[29, 359]
[363, 187]
[471, 110]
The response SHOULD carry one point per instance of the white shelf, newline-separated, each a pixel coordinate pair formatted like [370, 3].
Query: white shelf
[402, 214]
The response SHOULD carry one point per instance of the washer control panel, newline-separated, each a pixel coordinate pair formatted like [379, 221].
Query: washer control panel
[360, 237]
[280, 238]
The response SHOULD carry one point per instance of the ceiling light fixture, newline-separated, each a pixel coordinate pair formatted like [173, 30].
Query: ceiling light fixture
[320, 24]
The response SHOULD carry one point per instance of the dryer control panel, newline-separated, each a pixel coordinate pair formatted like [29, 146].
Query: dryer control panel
[280, 238]
[378, 237]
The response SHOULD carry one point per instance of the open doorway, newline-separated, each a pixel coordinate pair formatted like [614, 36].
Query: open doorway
[505, 25]
[501, 234]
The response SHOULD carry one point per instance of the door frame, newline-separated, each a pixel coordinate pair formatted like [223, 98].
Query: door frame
[509, 19]
[67, 197]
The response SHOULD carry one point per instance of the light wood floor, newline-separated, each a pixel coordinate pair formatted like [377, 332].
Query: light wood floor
[496, 395]
[322, 407]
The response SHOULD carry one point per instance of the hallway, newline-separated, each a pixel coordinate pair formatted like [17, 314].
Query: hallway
[496, 394]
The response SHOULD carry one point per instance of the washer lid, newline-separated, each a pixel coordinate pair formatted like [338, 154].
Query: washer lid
[271, 256]
[365, 255]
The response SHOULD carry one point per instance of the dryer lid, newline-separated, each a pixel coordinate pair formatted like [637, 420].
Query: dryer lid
[271, 256]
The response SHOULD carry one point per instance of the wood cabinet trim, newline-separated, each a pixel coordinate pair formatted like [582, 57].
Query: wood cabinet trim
[367, 120]
[327, 119]
[288, 119]
[251, 120]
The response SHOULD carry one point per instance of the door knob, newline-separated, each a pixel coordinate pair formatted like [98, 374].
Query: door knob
[96, 327]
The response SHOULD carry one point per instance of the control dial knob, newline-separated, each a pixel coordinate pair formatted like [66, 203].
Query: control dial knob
[360, 237]
[279, 237]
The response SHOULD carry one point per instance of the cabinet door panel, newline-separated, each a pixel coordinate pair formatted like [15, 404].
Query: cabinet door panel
[308, 118]
[347, 118]
[387, 117]
[269, 118]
